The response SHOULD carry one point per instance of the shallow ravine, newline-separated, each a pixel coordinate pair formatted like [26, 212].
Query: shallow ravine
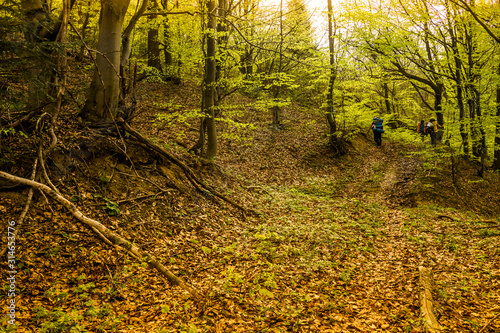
[323, 261]
[335, 247]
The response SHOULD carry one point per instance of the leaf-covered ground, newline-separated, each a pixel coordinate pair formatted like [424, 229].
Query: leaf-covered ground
[335, 247]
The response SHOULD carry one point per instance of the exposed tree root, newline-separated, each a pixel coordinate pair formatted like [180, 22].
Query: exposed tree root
[198, 184]
[426, 307]
[105, 233]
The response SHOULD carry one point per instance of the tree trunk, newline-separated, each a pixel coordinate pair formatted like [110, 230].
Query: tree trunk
[104, 92]
[86, 20]
[153, 41]
[127, 46]
[246, 58]
[277, 87]
[477, 130]
[496, 154]
[209, 94]
[220, 90]
[438, 99]
[460, 92]
[330, 112]
[167, 45]
[35, 18]
[463, 127]
[387, 101]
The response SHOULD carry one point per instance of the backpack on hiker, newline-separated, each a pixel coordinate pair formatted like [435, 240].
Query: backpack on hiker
[422, 128]
[378, 125]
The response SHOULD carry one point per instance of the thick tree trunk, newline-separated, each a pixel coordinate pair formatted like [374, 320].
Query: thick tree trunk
[210, 81]
[34, 15]
[104, 92]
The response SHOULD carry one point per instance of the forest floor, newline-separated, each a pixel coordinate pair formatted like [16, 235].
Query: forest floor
[335, 245]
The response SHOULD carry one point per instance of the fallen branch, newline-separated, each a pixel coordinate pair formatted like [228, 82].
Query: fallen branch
[30, 115]
[198, 184]
[489, 323]
[426, 307]
[105, 232]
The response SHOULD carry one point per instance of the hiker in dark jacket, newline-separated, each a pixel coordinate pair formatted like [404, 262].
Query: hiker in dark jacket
[377, 128]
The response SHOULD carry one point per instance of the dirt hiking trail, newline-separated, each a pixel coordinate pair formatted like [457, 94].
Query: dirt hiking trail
[336, 246]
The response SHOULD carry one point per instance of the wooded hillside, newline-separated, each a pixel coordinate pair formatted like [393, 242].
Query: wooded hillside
[210, 166]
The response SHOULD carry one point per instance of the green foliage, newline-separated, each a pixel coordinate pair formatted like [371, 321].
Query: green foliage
[69, 316]
[111, 208]
[58, 320]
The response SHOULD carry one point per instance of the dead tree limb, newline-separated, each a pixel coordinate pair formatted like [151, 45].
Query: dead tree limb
[426, 307]
[489, 323]
[198, 184]
[104, 231]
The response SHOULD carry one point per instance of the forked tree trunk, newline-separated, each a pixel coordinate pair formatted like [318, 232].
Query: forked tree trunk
[104, 91]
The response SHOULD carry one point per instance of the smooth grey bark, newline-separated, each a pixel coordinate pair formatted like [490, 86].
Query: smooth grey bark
[104, 92]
